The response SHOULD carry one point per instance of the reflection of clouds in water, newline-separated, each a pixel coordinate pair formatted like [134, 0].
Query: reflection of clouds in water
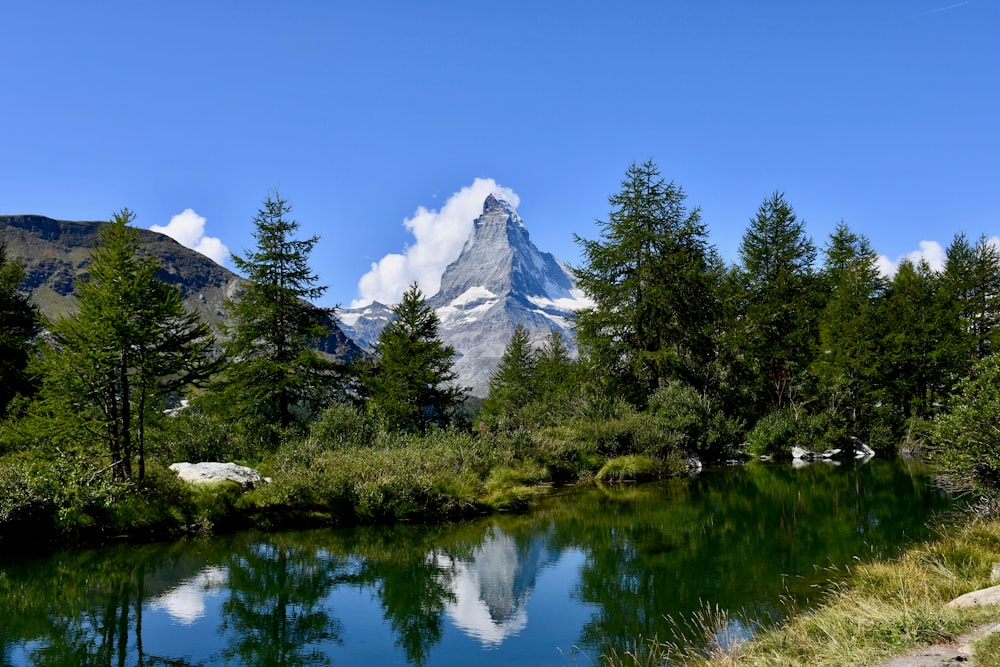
[492, 587]
[736, 632]
[185, 603]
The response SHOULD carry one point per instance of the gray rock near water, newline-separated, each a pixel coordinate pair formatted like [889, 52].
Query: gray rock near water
[858, 450]
[213, 471]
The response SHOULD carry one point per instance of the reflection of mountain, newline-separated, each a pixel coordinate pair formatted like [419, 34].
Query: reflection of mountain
[185, 602]
[493, 585]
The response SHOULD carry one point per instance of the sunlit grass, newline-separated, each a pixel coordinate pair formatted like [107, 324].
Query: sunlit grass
[881, 610]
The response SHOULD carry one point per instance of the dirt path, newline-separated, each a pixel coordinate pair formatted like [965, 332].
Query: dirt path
[955, 652]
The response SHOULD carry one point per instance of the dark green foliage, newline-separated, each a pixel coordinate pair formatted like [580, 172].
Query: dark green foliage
[411, 384]
[19, 324]
[911, 326]
[513, 383]
[967, 437]
[971, 285]
[848, 344]
[342, 426]
[778, 431]
[274, 370]
[695, 423]
[130, 344]
[778, 299]
[653, 279]
[196, 435]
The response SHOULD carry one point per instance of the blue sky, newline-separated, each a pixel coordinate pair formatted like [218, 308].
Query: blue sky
[383, 122]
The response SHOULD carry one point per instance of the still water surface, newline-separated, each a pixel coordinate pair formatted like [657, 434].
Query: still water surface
[589, 569]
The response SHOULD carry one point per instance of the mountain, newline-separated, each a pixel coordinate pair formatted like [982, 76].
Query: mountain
[56, 253]
[499, 280]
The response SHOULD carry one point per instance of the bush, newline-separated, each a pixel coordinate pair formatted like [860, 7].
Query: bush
[67, 494]
[966, 439]
[773, 435]
[342, 426]
[192, 435]
[696, 426]
[777, 432]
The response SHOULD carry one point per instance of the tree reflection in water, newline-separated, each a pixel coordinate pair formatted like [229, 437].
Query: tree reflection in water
[622, 560]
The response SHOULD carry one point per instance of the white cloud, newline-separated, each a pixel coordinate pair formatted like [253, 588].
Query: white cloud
[931, 251]
[188, 229]
[440, 235]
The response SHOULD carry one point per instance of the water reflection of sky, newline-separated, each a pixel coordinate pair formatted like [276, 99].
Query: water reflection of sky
[517, 596]
[186, 602]
[184, 620]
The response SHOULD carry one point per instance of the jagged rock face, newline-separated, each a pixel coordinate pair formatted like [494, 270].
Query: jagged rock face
[56, 253]
[500, 258]
[498, 281]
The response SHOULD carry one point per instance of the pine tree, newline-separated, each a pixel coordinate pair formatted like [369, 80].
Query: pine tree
[19, 324]
[847, 343]
[779, 300]
[131, 343]
[411, 384]
[512, 384]
[653, 279]
[914, 320]
[273, 326]
[971, 280]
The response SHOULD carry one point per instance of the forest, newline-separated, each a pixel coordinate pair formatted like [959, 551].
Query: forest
[682, 357]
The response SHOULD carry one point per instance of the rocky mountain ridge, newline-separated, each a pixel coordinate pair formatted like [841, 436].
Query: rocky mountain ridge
[56, 253]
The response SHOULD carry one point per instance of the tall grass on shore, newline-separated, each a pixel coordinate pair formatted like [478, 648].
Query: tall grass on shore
[882, 609]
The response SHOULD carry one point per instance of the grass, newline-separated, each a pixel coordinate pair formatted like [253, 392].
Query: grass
[883, 609]
[987, 651]
[633, 468]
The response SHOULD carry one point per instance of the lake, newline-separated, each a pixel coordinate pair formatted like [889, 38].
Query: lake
[590, 568]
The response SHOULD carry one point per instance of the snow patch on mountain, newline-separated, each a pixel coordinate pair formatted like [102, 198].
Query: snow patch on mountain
[499, 280]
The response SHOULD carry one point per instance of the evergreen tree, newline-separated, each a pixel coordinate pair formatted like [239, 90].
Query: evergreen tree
[779, 300]
[653, 279]
[558, 377]
[19, 324]
[411, 384]
[512, 385]
[971, 281]
[130, 343]
[847, 343]
[273, 326]
[913, 322]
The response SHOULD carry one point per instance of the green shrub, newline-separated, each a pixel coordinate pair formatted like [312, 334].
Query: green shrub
[773, 435]
[342, 425]
[967, 438]
[777, 432]
[192, 435]
[633, 468]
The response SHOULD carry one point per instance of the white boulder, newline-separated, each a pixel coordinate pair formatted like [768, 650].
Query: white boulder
[214, 471]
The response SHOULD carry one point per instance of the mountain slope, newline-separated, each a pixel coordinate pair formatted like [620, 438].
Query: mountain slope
[499, 280]
[56, 253]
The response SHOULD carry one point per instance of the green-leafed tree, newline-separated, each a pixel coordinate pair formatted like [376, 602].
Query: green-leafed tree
[512, 385]
[966, 437]
[411, 384]
[913, 322]
[845, 363]
[557, 375]
[19, 324]
[971, 284]
[653, 279]
[778, 302]
[273, 367]
[130, 344]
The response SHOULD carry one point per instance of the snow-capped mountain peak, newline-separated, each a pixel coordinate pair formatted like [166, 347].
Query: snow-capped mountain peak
[499, 280]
